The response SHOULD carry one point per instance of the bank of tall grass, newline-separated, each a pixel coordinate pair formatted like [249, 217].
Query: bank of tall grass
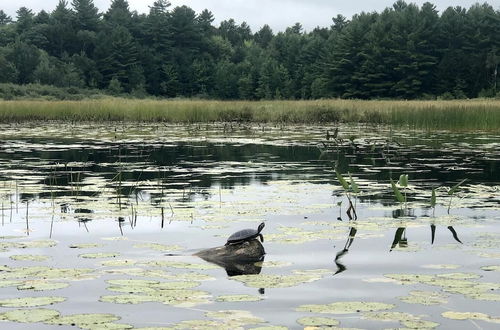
[476, 114]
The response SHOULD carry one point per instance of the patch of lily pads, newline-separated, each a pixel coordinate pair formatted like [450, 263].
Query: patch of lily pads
[30, 301]
[470, 316]
[275, 281]
[345, 307]
[29, 257]
[177, 293]
[238, 298]
[406, 319]
[100, 255]
[29, 315]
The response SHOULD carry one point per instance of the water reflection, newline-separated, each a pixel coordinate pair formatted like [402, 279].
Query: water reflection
[69, 169]
[400, 241]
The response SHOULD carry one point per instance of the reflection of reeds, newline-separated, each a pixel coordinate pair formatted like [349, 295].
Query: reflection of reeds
[457, 114]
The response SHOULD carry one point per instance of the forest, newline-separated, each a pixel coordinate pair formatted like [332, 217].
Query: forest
[403, 52]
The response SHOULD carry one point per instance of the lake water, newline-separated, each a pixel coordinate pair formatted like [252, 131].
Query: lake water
[104, 221]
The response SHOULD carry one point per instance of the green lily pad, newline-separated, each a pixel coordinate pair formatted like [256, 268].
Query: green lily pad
[85, 246]
[39, 244]
[29, 257]
[84, 320]
[408, 320]
[180, 265]
[238, 298]
[346, 307]
[318, 321]
[441, 266]
[158, 247]
[101, 255]
[30, 301]
[29, 315]
[275, 281]
[42, 285]
[470, 316]
[491, 268]
[425, 298]
[118, 263]
[239, 316]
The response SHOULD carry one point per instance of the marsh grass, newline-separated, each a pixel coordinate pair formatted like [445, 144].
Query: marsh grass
[478, 114]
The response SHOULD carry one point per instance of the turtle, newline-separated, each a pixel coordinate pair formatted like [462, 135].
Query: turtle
[246, 235]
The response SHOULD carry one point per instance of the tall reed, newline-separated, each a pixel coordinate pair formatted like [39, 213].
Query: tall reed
[477, 114]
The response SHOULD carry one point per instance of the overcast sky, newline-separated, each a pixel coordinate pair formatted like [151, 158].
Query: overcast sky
[279, 14]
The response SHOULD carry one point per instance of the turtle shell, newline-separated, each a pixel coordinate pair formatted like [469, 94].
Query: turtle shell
[245, 235]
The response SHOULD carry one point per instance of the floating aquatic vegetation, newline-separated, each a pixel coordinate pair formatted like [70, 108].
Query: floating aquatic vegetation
[176, 293]
[238, 298]
[425, 298]
[345, 307]
[29, 257]
[158, 247]
[273, 264]
[117, 263]
[408, 320]
[85, 246]
[314, 321]
[275, 281]
[84, 321]
[495, 268]
[100, 255]
[42, 285]
[29, 315]
[39, 244]
[45, 273]
[236, 317]
[441, 266]
[30, 301]
[179, 264]
[470, 316]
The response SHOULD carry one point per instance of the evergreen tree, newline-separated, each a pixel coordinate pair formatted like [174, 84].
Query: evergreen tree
[86, 15]
[4, 18]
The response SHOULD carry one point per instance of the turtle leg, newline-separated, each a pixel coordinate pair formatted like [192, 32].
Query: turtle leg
[261, 238]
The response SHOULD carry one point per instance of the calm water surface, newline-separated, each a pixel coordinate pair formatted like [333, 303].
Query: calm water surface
[148, 197]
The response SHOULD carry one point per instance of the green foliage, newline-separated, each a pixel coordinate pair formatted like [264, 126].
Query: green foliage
[342, 181]
[404, 52]
[455, 188]
[397, 193]
[433, 198]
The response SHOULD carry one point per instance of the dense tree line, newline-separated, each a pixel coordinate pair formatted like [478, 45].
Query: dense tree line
[404, 52]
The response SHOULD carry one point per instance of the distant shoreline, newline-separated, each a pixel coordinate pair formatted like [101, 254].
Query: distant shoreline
[459, 115]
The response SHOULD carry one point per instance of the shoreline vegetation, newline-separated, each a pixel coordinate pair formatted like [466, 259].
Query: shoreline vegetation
[459, 115]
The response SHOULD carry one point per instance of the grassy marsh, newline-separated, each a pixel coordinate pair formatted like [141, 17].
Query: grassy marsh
[477, 114]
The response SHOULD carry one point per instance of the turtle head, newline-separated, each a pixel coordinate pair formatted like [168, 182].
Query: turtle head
[261, 226]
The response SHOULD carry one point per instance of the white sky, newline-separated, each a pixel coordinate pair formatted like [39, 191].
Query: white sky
[279, 14]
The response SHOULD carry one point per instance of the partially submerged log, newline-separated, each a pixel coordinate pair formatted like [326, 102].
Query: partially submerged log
[237, 259]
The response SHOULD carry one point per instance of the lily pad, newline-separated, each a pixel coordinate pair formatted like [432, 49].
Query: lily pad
[30, 301]
[425, 298]
[158, 247]
[29, 257]
[42, 285]
[275, 281]
[318, 321]
[29, 315]
[238, 298]
[179, 265]
[347, 307]
[84, 320]
[85, 246]
[470, 316]
[491, 268]
[118, 263]
[101, 255]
